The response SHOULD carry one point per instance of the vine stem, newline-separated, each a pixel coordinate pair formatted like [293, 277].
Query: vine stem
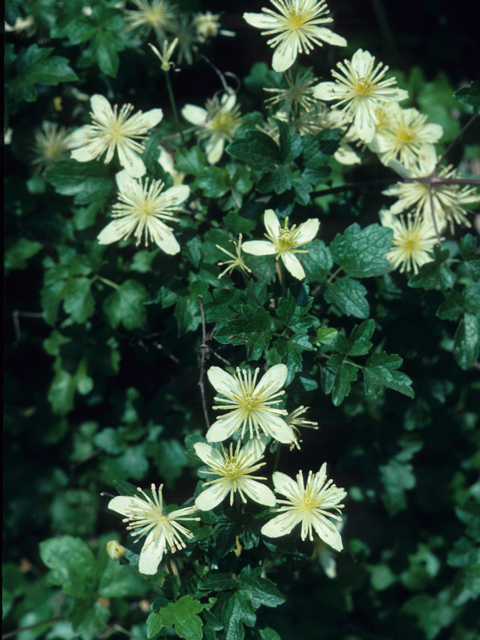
[202, 349]
[250, 290]
[174, 106]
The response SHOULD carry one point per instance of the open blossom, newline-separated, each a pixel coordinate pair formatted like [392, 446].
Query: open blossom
[284, 241]
[52, 143]
[413, 241]
[294, 28]
[157, 15]
[450, 201]
[310, 505]
[250, 406]
[237, 260]
[234, 470]
[361, 90]
[113, 130]
[142, 207]
[406, 137]
[218, 121]
[146, 517]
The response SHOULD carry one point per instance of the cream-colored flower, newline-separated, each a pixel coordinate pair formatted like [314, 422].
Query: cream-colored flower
[250, 405]
[208, 26]
[52, 143]
[323, 553]
[310, 505]
[234, 471]
[115, 550]
[284, 241]
[112, 130]
[450, 201]
[413, 241]
[237, 260]
[146, 517]
[157, 15]
[406, 137]
[295, 420]
[345, 154]
[218, 121]
[25, 26]
[165, 56]
[141, 208]
[295, 29]
[361, 90]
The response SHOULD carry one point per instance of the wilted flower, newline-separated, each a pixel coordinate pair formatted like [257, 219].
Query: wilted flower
[165, 56]
[250, 405]
[146, 517]
[298, 96]
[284, 241]
[361, 90]
[413, 241]
[449, 200]
[184, 31]
[406, 137]
[141, 208]
[310, 505]
[157, 15]
[52, 143]
[113, 130]
[234, 471]
[237, 261]
[219, 121]
[294, 29]
[115, 550]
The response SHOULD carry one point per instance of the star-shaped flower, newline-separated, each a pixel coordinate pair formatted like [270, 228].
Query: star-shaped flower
[234, 471]
[310, 505]
[142, 207]
[146, 517]
[250, 405]
[237, 260]
[295, 29]
[361, 90]
[284, 241]
[413, 241]
[116, 131]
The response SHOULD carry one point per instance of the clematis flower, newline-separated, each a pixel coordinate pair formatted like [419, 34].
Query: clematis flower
[237, 260]
[249, 405]
[116, 131]
[413, 241]
[146, 517]
[361, 90]
[157, 15]
[234, 471]
[295, 29]
[310, 505]
[284, 241]
[52, 143]
[218, 121]
[141, 208]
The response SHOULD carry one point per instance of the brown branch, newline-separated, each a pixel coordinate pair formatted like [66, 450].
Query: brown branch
[31, 626]
[202, 349]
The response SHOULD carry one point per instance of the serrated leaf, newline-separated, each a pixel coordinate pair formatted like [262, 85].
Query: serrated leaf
[234, 612]
[18, 253]
[349, 296]
[434, 274]
[78, 300]
[257, 149]
[126, 305]
[86, 181]
[358, 344]
[72, 565]
[191, 161]
[253, 331]
[381, 370]
[470, 95]
[452, 307]
[104, 48]
[397, 477]
[279, 180]
[181, 615]
[317, 262]
[361, 252]
[467, 341]
[216, 581]
[344, 374]
[261, 591]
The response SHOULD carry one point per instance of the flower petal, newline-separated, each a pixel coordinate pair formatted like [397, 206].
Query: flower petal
[211, 496]
[206, 453]
[223, 382]
[259, 247]
[328, 36]
[131, 161]
[221, 430]
[327, 91]
[272, 223]
[117, 230]
[284, 56]
[293, 265]
[273, 380]
[151, 554]
[259, 492]
[280, 526]
[328, 532]
[308, 230]
[122, 504]
[195, 115]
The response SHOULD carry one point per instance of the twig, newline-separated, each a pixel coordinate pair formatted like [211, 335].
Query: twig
[460, 133]
[16, 323]
[235, 199]
[31, 626]
[202, 348]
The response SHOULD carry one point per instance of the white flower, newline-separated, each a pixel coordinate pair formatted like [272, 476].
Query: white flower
[112, 130]
[52, 143]
[323, 553]
[249, 404]
[361, 90]
[235, 474]
[219, 121]
[157, 15]
[283, 241]
[295, 420]
[294, 29]
[413, 241]
[406, 137]
[237, 261]
[449, 200]
[147, 518]
[141, 208]
[310, 505]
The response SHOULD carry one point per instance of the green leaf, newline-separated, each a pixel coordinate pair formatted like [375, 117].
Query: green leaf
[294, 315]
[215, 182]
[452, 307]
[361, 252]
[216, 581]
[191, 162]
[397, 477]
[170, 459]
[317, 262]
[88, 618]
[278, 180]
[467, 584]
[318, 151]
[467, 341]
[104, 48]
[464, 554]
[260, 590]
[344, 373]
[358, 344]
[381, 370]
[253, 330]
[86, 181]
[72, 565]
[434, 274]
[257, 149]
[349, 296]
[78, 299]
[187, 313]
[471, 297]
[126, 305]
[19, 252]
[234, 611]
[61, 393]
[35, 66]
[181, 615]
[470, 95]
[432, 614]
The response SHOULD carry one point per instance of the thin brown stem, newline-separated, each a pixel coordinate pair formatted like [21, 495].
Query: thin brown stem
[460, 133]
[31, 626]
[202, 350]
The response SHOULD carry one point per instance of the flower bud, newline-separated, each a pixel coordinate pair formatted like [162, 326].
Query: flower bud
[115, 550]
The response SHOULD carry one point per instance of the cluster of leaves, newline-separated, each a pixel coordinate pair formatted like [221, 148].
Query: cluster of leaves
[103, 369]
